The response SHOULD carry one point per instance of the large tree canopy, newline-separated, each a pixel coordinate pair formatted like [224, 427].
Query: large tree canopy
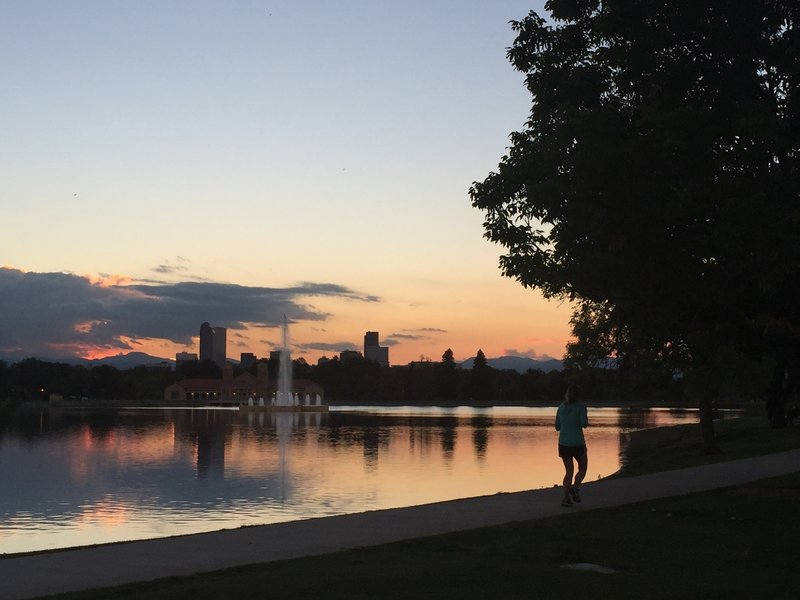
[656, 182]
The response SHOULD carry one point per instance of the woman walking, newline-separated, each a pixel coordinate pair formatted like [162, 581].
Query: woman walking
[571, 418]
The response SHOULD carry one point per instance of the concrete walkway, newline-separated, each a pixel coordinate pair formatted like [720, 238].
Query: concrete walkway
[104, 566]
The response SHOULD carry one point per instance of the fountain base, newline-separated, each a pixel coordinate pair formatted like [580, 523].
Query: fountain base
[275, 408]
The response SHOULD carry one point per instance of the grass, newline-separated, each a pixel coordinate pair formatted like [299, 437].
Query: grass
[734, 543]
[668, 448]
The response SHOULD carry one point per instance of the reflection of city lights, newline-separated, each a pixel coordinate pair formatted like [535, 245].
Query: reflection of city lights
[105, 514]
[86, 437]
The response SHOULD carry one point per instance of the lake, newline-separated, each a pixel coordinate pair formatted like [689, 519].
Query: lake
[79, 477]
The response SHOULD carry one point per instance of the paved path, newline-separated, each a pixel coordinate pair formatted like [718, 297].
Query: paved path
[104, 566]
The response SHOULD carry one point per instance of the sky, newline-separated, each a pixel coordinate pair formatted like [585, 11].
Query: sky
[163, 164]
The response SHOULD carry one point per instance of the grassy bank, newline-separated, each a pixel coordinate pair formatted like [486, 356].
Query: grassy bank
[667, 448]
[734, 543]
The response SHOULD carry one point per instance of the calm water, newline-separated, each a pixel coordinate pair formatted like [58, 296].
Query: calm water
[73, 478]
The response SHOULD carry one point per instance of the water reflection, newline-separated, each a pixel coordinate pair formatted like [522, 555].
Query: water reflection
[81, 477]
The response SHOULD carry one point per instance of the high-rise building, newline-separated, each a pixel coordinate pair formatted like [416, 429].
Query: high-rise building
[371, 339]
[206, 342]
[213, 344]
[220, 345]
[247, 360]
[374, 351]
[348, 355]
[184, 357]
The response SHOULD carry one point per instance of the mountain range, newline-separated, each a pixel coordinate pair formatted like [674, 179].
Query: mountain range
[521, 364]
[120, 361]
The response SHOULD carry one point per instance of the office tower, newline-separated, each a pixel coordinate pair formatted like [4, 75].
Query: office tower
[206, 342]
[348, 355]
[220, 345]
[373, 349]
[247, 360]
[184, 357]
[370, 340]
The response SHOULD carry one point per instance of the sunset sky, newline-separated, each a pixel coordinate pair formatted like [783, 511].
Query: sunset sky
[168, 163]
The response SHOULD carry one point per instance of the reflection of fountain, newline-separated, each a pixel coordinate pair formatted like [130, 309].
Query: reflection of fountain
[283, 430]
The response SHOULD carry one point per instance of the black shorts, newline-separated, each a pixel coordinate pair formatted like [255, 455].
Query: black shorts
[572, 451]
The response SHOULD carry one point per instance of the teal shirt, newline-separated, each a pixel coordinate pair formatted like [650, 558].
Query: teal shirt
[570, 421]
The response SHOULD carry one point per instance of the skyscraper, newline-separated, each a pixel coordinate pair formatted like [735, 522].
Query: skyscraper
[213, 344]
[206, 342]
[220, 345]
[247, 360]
[374, 351]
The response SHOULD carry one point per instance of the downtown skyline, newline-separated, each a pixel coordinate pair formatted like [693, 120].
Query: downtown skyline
[166, 165]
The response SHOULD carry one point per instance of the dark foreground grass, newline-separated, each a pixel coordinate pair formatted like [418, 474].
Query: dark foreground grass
[668, 448]
[734, 543]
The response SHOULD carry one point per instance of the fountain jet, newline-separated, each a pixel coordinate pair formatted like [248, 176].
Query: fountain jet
[284, 396]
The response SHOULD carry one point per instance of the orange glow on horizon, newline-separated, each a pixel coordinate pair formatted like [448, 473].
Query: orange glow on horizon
[86, 351]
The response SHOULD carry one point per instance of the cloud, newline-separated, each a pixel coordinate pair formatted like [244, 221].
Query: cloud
[330, 289]
[422, 333]
[60, 314]
[328, 347]
[405, 336]
[169, 269]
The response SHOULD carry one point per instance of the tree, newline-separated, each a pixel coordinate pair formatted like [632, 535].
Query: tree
[447, 377]
[481, 377]
[656, 182]
[105, 383]
[448, 360]
[479, 364]
[301, 369]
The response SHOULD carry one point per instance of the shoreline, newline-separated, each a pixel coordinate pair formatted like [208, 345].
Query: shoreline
[748, 406]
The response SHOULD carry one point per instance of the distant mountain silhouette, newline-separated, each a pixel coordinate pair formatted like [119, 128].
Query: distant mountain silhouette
[119, 361]
[136, 359]
[129, 360]
[518, 363]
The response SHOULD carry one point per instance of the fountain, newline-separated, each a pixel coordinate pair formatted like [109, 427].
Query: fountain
[286, 398]
[284, 395]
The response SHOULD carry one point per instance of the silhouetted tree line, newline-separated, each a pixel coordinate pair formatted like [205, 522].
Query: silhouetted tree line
[356, 381]
[32, 379]
[430, 383]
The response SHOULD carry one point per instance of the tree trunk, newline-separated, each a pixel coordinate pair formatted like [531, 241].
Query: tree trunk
[707, 425]
[776, 398]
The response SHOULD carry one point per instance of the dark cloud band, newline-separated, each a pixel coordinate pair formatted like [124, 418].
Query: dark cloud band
[43, 311]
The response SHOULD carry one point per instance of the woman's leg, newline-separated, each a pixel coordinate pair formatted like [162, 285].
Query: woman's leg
[569, 469]
[583, 463]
